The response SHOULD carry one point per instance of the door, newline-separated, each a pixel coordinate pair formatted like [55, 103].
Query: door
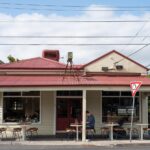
[67, 111]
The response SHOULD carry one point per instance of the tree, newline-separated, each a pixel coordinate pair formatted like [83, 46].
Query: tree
[12, 59]
[1, 62]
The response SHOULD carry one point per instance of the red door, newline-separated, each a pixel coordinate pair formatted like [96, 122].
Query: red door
[67, 111]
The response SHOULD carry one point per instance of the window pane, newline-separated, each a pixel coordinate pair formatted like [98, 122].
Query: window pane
[12, 93]
[69, 93]
[17, 109]
[126, 93]
[31, 93]
[111, 93]
[116, 108]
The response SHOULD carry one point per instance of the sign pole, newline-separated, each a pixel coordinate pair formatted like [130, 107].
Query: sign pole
[132, 115]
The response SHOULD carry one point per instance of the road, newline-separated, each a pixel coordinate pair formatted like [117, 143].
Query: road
[121, 147]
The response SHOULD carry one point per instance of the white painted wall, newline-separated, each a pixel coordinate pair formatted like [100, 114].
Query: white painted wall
[109, 60]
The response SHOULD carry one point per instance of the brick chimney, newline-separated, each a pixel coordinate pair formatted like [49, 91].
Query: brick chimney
[51, 54]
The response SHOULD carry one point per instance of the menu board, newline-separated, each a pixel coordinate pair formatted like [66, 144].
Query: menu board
[125, 111]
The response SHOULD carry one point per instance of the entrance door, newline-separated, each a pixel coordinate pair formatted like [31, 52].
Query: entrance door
[67, 111]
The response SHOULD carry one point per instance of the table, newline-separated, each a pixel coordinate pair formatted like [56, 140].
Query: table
[141, 128]
[24, 127]
[111, 126]
[77, 126]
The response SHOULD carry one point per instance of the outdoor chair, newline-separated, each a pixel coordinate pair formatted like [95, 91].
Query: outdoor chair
[146, 131]
[17, 133]
[105, 131]
[32, 131]
[119, 132]
[90, 133]
[3, 132]
[71, 132]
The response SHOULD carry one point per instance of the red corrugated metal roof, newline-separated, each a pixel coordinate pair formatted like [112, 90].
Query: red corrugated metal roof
[34, 63]
[31, 81]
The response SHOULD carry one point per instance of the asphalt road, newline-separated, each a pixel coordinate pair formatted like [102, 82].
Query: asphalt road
[119, 147]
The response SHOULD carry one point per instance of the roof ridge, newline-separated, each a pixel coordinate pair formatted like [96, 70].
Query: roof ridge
[23, 60]
[46, 59]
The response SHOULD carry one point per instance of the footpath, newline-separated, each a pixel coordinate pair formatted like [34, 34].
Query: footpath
[79, 143]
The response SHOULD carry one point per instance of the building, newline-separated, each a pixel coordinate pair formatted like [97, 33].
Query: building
[43, 90]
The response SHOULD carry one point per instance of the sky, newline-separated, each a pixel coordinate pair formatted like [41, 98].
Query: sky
[15, 11]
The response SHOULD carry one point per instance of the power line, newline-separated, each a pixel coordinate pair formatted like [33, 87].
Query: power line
[61, 36]
[71, 44]
[53, 9]
[137, 33]
[146, 45]
[72, 6]
[73, 21]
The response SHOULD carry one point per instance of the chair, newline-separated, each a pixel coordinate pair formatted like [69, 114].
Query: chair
[3, 131]
[17, 133]
[146, 130]
[90, 133]
[105, 131]
[32, 131]
[119, 132]
[70, 133]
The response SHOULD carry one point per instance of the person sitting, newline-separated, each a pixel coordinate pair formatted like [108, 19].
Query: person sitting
[90, 121]
[35, 116]
[119, 131]
[90, 124]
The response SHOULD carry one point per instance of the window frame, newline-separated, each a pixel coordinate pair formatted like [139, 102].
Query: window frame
[14, 123]
[119, 96]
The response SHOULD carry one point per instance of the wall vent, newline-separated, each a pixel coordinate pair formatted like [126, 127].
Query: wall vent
[105, 68]
[119, 67]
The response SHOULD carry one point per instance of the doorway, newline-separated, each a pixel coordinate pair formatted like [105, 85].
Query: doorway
[68, 109]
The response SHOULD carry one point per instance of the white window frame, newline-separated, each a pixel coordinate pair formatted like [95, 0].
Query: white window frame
[14, 123]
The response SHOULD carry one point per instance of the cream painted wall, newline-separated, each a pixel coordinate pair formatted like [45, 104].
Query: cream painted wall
[47, 125]
[1, 107]
[109, 60]
[144, 107]
[94, 106]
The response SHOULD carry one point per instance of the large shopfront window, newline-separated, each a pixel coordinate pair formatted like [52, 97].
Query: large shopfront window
[21, 106]
[117, 105]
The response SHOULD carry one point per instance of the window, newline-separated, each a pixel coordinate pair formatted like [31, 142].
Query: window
[117, 105]
[69, 93]
[21, 106]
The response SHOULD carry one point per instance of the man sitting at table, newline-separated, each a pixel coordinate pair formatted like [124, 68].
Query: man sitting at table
[90, 121]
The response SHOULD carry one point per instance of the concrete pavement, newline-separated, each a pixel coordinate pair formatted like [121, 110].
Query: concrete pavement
[68, 143]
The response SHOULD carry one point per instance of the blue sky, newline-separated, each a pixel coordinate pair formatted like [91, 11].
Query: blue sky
[81, 54]
[110, 3]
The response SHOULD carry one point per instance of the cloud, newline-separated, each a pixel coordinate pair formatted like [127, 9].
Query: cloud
[82, 54]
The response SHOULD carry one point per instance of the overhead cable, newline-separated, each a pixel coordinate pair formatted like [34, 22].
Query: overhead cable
[72, 44]
[73, 21]
[62, 36]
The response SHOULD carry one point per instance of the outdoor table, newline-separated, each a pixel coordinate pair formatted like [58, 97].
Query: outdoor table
[24, 126]
[77, 126]
[141, 128]
[111, 126]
